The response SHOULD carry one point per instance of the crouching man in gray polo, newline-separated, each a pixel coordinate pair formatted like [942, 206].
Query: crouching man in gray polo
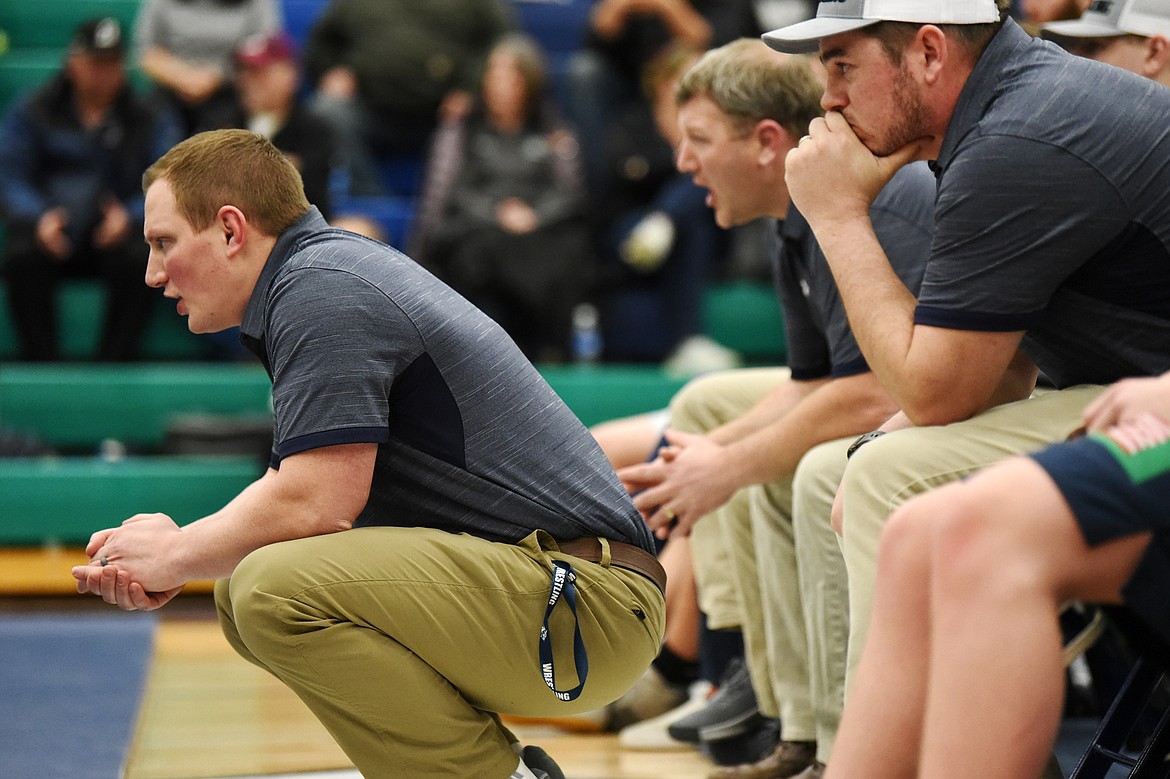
[437, 539]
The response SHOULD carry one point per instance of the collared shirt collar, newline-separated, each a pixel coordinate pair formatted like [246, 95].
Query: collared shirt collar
[981, 88]
[285, 246]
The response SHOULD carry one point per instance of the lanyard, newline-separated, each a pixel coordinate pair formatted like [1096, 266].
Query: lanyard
[563, 580]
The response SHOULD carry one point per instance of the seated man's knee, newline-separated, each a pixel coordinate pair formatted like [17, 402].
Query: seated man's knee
[969, 539]
[817, 477]
[695, 400]
[907, 540]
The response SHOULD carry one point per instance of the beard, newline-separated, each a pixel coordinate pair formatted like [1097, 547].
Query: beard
[908, 114]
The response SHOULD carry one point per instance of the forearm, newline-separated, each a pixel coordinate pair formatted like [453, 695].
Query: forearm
[268, 511]
[780, 401]
[608, 17]
[880, 307]
[937, 375]
[164, 67]
[265, 512]
[685, 23]
[838, 409]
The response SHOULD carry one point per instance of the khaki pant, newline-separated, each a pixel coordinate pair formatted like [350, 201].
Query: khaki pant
[405, 641]
[746, 567]
[889, 470]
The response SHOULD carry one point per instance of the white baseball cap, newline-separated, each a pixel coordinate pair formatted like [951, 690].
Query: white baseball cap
[1111, 18]
[837, 16]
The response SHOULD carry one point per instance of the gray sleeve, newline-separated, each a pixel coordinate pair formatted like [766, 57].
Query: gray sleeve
[1014, 219]
[902, 218]
[335, 345]
[807, 349]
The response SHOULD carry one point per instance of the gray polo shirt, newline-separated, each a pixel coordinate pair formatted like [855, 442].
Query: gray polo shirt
[364, 346]
[820, 341]
[1053, 212]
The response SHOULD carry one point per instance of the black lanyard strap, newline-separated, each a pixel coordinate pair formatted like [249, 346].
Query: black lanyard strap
[563, 583]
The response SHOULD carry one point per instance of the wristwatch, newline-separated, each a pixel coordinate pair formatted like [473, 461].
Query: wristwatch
[862, 440]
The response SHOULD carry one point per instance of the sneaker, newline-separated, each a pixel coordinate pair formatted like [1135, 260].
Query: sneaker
[650, 696]
[731, 711]
[750, 747]
[651, 735]
[539, 762]
[814, 771]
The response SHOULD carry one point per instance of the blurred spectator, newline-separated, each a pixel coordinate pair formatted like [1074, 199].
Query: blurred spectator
[362, 224]
[72, 156]
[503, 213]
[268, 81]
[660, 242]
[186, 48]
[384, 68]
[1125, 34]
[605, 76]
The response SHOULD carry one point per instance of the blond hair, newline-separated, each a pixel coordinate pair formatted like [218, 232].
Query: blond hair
[749, 82]
[231, 167]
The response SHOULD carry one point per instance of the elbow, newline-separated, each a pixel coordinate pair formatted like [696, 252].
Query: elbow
[336, 516]
[328, 525]
[940, 404]
[938, 411]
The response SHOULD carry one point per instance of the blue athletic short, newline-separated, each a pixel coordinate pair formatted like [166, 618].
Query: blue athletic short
[1114, 494]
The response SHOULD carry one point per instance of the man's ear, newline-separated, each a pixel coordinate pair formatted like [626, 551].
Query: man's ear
[1157, 57]
[234, 227]
[931, 52]
[773, 139]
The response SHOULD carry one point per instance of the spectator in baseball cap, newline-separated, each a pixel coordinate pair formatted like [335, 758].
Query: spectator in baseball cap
[268, 80]
[72, 154]
[1129, 34]
[100, 37]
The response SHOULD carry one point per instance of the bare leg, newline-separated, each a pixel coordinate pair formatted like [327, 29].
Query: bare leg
[1008, 553]
[630, 440]
[971, 579]
[682, 600]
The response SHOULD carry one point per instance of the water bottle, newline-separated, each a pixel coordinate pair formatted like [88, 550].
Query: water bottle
[586, 334]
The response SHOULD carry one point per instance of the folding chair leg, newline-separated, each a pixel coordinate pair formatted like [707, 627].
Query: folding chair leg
[1106, 748]
[1154, 762]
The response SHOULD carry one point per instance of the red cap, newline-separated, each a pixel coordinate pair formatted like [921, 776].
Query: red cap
[260, 50]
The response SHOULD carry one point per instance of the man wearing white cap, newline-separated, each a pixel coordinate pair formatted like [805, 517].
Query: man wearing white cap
[1052, 223]
[1129, 34]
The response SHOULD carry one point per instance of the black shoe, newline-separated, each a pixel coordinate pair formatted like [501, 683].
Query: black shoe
[541, 764]
[732, 710]
[752, 746]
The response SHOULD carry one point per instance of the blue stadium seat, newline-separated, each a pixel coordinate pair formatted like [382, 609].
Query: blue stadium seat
[299, 16]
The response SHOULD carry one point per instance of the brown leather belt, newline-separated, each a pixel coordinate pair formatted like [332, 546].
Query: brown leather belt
[632, 558]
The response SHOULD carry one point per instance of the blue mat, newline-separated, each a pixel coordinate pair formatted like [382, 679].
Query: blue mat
[70, 684]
